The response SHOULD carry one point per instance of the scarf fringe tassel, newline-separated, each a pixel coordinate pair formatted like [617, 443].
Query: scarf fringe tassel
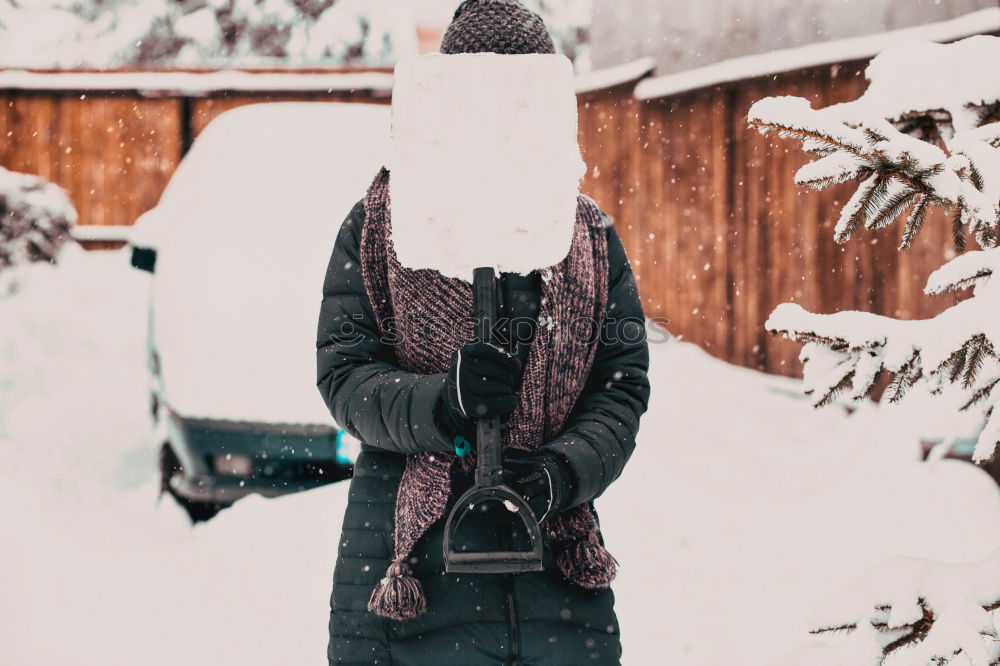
[588, 563]
[399, 596]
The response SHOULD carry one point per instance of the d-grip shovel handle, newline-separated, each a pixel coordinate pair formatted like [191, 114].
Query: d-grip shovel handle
[489, 463]
[492, 562]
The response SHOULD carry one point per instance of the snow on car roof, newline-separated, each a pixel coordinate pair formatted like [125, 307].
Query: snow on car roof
[247, 225]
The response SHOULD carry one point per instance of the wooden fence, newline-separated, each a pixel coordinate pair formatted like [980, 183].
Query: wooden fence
[716, 230]
[115, 150]
[112, 152]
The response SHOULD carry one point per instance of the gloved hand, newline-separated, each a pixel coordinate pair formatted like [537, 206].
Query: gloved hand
[481, 383]
[544, 480]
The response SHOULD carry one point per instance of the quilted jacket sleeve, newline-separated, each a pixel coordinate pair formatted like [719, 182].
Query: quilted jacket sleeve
[600, 435]
[369, 396]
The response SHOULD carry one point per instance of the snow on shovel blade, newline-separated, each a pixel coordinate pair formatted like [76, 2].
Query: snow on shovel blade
[485, 165]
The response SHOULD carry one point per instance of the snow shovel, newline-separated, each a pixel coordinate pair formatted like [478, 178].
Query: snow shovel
[488, 488]
[485, 177]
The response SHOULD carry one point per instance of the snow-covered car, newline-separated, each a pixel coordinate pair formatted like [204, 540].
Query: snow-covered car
[238, 247]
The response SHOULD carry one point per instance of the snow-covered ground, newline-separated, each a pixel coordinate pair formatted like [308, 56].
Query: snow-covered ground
[742, 509]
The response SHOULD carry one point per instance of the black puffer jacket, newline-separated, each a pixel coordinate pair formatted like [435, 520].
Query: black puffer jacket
[532, 618]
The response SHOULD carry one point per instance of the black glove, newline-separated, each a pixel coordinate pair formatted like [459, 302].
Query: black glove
[481, 383]
[544, 480]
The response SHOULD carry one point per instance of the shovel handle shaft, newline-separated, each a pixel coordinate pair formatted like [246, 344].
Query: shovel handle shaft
[489, 466]
[484, 302]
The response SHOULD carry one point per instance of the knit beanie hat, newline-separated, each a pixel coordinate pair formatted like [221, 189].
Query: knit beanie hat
[496, 26]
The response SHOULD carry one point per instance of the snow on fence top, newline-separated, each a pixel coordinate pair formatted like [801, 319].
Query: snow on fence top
[196, 83]
[824, 53]
[201, 83]
[614, 76]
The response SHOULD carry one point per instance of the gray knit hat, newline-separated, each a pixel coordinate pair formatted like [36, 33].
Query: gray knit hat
[496, 26]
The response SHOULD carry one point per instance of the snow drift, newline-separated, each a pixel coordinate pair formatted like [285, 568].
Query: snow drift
[485, 162]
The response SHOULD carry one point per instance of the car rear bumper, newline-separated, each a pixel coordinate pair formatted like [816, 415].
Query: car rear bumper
[223, 461]
[225, 490]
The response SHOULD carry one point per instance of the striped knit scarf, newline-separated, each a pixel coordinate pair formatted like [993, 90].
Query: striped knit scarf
[432, 321]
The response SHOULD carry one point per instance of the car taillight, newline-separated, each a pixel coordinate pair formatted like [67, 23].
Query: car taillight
[233, 465]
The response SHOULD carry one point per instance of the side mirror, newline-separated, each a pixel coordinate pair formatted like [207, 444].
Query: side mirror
[144, 258]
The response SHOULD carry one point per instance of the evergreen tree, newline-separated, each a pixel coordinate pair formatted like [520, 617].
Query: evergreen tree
[925, 135]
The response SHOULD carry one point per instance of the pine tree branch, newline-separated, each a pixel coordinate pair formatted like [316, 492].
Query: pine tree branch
[836, 344]
[987, 237]
[956, 362]
[898, 171]
[858, 209]
[914, 222]
[914, 632]
[967, 282]
[764, 127]
[846, 381]
[937, 177]
[979, 395]
[958, 232]
[981, 349]
[831, 630]
[918, 631]
[891, 210]
[862, 391]
[907, 376]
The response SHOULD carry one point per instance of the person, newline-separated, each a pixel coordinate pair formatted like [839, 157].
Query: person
[400, 370]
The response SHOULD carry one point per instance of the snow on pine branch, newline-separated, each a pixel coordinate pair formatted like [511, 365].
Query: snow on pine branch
[896, 171]
[848, 352]
[911, 81]
[902, 175]
[966, 270]
[794, 118]
[919, 611]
